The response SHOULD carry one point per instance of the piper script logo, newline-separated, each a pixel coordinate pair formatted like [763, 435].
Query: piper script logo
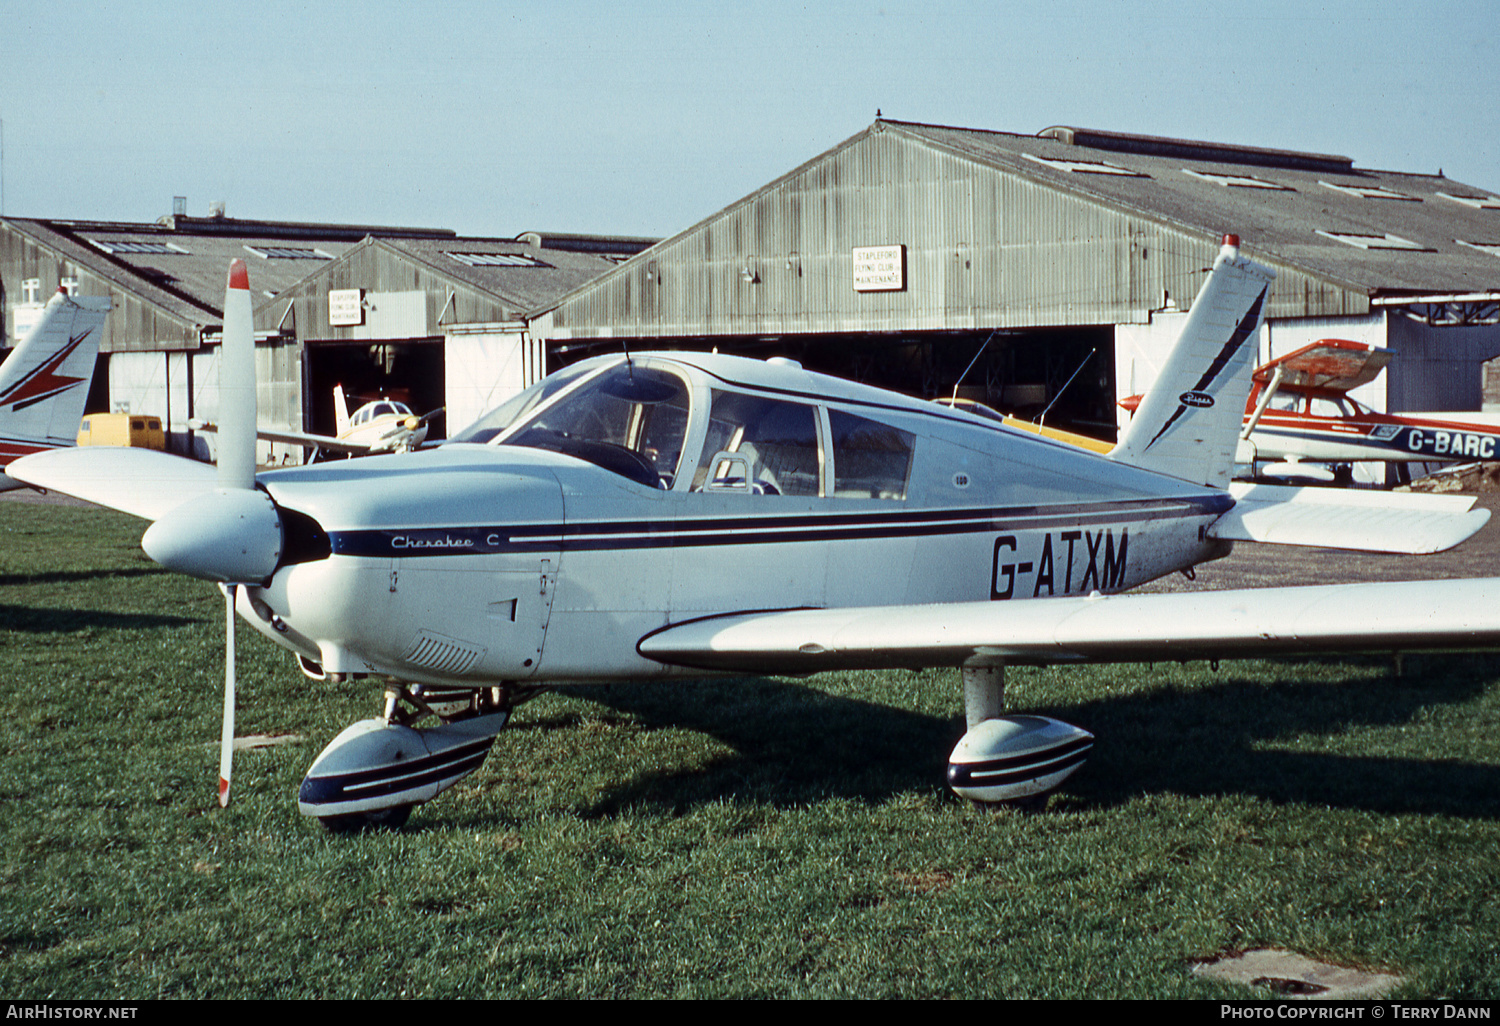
[1201, 400]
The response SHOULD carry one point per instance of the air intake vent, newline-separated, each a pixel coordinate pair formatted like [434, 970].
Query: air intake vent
[442, 654]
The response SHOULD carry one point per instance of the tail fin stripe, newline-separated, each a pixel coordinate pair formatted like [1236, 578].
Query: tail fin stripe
[25, 391]
[1236, 339]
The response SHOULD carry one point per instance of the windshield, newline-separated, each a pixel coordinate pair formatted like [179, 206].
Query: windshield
[631, 420]
[520, 404]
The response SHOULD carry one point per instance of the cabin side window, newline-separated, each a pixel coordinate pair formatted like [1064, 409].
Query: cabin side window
[759, 445]
[1325, 406]
[871, 460]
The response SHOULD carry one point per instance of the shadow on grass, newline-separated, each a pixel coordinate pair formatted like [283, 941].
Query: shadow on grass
[796, 744]
[71, 576]
[34, 620]
[1239, 737]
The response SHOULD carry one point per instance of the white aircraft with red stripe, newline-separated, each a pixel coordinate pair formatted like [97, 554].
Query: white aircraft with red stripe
[1300, 416]
[1299, 410]
[44, 383]
[656, 515]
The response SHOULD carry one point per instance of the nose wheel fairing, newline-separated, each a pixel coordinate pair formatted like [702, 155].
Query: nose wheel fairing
[384, 763]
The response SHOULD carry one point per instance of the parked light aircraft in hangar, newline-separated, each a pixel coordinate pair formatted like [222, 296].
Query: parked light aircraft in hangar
[647, 516]
[379, 426]
[1299, 414]
[44, 383]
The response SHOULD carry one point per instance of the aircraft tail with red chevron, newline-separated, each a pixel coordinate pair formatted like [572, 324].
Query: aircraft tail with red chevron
[45, 381]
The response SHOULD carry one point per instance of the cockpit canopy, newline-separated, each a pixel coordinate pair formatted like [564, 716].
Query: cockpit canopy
[664, 425]
[383, 408]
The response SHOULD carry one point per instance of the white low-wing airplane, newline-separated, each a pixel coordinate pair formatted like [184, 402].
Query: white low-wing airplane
[645, 516]
[383, 425]
[44, 383]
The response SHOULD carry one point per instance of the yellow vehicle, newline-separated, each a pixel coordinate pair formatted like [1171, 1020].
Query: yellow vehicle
[133, 429]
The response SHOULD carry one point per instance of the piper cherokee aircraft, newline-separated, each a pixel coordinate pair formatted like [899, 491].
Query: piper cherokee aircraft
[45, 381]
[1299, 414]
[649, 516]
[384, 425]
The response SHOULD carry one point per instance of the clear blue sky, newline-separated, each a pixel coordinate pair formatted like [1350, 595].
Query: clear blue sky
[643, 118]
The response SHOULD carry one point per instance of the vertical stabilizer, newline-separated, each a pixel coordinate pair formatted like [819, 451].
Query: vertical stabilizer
[45, 381]
[340, 411]
[1188, 423]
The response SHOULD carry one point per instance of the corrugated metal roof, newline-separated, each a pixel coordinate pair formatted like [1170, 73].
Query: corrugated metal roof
[539, 277]
[179, 264]
[1284, 204]
[465, 281]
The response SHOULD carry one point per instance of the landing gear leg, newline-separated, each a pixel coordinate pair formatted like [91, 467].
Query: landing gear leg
[984, 694]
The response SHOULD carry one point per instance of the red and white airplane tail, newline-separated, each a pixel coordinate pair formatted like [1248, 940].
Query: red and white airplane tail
[1188, 423]
[45, 381]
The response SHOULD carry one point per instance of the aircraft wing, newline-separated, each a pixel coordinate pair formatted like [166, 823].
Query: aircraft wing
[142, 482]
[327, 442]
[1248, 623]
[1332, 363]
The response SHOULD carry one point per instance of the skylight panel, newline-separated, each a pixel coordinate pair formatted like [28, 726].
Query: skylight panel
[497, 259]
[136, 247]
[1237, 181]
[1386, 241]
[1370, 192]
[1492, 248]
[1086, 167]
[288, 253]
[1477, 202]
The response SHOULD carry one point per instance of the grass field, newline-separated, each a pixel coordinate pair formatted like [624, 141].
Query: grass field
[760, 837]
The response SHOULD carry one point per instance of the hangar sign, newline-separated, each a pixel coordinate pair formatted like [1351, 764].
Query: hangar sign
[345, 307]
[879, 268]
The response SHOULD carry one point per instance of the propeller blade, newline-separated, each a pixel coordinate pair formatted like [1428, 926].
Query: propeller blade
[237, 412]
[226, 735]
[232, 532]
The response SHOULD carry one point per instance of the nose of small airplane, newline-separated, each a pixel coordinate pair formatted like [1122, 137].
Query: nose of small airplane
[230, 535]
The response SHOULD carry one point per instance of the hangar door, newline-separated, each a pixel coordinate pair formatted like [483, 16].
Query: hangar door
[407, 370]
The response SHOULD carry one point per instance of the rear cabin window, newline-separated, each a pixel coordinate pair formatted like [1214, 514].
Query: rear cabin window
[764, 446]
[871, 460]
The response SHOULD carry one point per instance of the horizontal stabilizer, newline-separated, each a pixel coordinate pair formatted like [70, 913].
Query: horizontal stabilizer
[1245, 623]
[1344, 518]
[142, 482]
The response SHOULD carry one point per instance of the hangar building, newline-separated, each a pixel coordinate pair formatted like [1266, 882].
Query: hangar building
[423, 310]
[1065, 261]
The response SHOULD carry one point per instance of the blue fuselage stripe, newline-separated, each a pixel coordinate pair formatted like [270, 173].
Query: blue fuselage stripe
[399, 542]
